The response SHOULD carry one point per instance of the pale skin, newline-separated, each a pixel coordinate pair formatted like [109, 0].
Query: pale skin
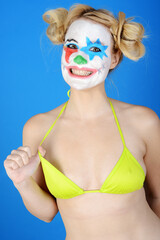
[95, 216]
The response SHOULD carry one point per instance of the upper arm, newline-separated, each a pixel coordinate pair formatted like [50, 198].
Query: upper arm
[32, 136]
[152, 156]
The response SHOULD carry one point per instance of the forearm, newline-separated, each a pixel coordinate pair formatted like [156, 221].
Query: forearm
[38, 202]
[155, 205]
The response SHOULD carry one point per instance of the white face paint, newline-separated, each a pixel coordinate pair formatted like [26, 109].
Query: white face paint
[87, 47]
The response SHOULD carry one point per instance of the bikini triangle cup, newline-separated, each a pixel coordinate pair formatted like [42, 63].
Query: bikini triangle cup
[126, 176]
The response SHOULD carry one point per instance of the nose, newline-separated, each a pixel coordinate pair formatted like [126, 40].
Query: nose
[80, 60]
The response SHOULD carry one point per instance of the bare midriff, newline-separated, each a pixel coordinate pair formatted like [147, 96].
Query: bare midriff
[102, 216]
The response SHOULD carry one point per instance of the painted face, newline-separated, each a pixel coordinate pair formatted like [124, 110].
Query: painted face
[86, 56]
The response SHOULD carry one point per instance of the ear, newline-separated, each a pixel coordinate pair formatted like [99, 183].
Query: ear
[115, 59]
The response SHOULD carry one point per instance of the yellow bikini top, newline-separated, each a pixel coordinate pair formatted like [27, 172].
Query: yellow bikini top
[126, 176]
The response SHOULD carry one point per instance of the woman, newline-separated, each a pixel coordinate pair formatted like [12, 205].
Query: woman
[99, 163]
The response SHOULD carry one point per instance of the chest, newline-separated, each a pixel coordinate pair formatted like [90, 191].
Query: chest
[86, 152]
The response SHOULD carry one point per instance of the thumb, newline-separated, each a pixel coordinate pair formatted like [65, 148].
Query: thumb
[42, 150]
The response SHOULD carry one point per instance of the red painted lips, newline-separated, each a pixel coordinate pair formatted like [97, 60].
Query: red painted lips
[82, 69]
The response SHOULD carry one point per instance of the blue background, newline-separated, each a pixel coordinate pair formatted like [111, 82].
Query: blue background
[31, 83]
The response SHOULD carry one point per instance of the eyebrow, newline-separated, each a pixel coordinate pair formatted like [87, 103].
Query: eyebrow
[70, 40]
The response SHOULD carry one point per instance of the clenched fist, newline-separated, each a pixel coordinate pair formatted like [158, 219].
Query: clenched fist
[20, 164]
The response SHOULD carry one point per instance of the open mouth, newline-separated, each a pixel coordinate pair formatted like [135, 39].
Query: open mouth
[81, 72]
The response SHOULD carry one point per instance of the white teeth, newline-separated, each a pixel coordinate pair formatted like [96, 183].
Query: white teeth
[80, 72]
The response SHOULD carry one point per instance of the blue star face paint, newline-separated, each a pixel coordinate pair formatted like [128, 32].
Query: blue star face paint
[94, 49]
[86, 56]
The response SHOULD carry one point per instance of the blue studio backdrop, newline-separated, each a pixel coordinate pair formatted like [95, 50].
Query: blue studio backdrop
[32, 83]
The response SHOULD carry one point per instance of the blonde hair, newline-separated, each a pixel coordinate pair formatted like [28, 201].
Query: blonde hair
[126, 35]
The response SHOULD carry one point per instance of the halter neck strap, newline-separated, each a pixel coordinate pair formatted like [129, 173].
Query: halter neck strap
[117, 122]
[69, 92]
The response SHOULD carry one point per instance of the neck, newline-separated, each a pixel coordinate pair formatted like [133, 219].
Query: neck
[88, 104]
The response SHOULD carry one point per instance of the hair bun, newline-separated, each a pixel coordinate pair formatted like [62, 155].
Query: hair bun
[128, 36]
[121, 19]
[56, 18]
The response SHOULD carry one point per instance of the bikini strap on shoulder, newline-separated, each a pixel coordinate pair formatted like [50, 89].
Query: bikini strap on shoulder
[119, 128]
[54, 122]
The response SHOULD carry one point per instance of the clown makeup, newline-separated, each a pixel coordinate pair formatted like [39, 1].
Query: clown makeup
[86, 56]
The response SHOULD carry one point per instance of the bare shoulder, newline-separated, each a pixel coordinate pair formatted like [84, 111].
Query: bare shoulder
[140, 111]
[143, 118]
[37, 125]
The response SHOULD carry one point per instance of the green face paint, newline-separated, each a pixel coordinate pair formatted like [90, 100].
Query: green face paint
[80, 60]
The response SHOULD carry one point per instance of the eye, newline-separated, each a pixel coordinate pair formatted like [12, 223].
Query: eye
[95, 49]
[72, 46]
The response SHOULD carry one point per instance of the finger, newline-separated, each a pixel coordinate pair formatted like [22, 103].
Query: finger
[23, 154]
[10, 164]
[17, 158]
[26, 149]
[29, 169]
[42, 150]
